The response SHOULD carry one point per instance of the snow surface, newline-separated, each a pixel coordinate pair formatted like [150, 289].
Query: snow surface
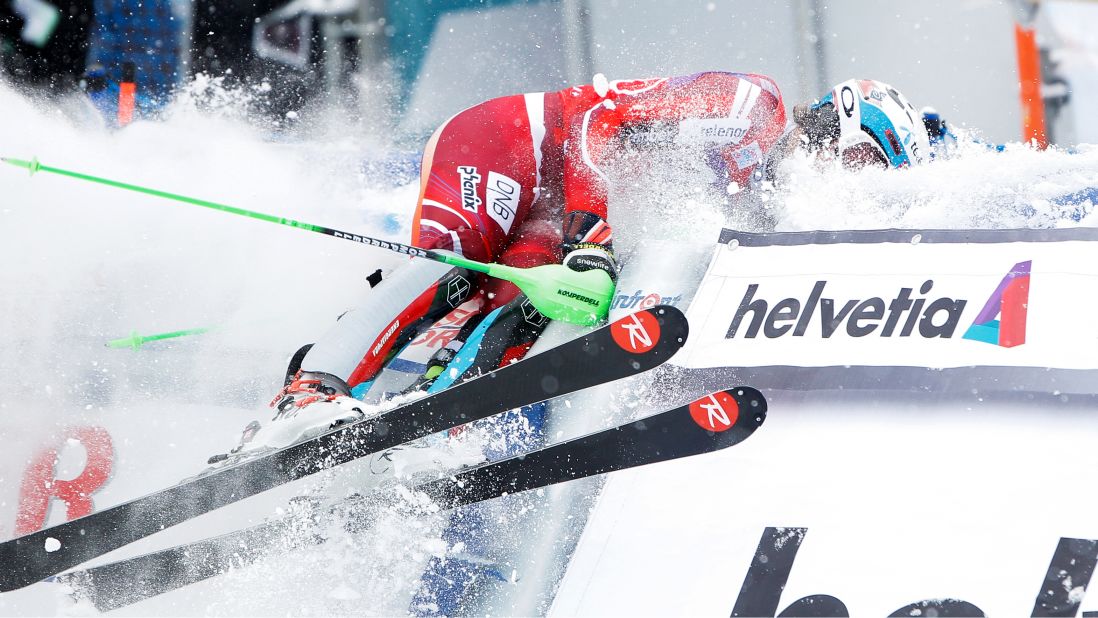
[83, 264]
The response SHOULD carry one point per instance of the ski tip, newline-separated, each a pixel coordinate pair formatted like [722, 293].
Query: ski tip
[736, 411]
[667, 312]
[672, 319]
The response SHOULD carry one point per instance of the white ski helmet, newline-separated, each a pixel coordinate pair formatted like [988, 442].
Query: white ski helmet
[872, 123]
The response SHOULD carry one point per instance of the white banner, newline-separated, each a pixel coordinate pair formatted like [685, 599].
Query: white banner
[936, 299]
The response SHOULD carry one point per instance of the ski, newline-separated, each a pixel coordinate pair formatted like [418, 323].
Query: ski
[626, 347]
[712, 423]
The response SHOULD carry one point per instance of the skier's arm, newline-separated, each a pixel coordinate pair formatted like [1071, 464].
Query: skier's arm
[740, 115]
[591, 134]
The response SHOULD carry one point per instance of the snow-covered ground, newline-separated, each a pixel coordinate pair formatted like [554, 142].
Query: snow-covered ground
[83, 264]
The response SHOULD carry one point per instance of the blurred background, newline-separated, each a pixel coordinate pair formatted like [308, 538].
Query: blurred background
[1014, 70]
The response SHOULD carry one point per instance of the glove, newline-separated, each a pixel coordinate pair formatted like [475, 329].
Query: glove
[588, 255]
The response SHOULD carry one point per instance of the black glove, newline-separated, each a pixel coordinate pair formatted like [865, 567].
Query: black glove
[587, 256]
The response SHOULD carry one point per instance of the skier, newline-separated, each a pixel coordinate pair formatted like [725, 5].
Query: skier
[522, 180]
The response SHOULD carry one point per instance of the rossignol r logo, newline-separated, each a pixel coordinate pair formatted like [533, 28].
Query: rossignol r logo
[637, 333]
[898, 316]
[1010, 302]
[717, 412]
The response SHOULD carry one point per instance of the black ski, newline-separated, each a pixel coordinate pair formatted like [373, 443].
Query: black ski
[680, 432]
[626, 347]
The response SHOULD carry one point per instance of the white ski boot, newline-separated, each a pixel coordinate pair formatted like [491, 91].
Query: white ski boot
[312, 403]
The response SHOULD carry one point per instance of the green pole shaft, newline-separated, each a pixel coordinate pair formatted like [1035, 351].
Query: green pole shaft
[174, 334]
[557, 291]
[136, 341]
[34, 166]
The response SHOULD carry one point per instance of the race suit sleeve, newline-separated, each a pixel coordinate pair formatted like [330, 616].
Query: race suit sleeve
[736, 117]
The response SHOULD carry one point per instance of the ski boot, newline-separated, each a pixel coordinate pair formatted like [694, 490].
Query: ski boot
[311, 404]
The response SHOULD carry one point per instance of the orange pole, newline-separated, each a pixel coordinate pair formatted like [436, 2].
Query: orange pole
[127, 92]
[1029, 77]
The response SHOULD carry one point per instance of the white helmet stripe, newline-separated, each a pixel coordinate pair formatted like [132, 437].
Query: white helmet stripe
[848, 107]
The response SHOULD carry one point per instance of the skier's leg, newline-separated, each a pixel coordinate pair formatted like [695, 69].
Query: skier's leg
[511, 325]
[474, 194]
[391, 313]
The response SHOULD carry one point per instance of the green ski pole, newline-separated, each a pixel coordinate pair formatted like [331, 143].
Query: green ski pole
[135, 341]
[557, 291]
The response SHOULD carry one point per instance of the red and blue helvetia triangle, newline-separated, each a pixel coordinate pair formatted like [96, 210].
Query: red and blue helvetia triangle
[1009, 303]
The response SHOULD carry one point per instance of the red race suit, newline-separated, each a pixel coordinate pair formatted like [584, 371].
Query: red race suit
[511, 179]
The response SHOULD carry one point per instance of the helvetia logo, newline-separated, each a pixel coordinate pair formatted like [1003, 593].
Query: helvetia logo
[903, 315]
[1010, 303]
